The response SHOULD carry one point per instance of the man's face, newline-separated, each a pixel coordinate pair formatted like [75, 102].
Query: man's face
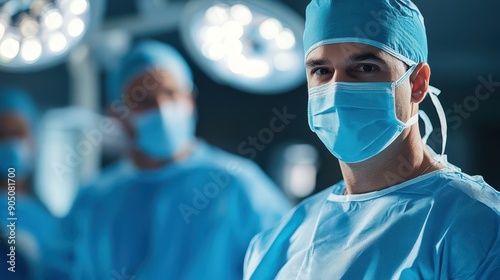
[150, 90]
[352, 62]
[13, 126]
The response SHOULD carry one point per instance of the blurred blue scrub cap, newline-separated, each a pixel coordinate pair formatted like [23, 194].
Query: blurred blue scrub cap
[395, 26]
[148, 56]
[17, 101]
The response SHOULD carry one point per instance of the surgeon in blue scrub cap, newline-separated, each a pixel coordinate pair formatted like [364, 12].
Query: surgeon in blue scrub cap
[401, 211]
[18, 114]
[175, 207]
[36, 231]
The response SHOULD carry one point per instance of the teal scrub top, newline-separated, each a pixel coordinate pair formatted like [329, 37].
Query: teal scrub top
[191, 219]
[442, 225]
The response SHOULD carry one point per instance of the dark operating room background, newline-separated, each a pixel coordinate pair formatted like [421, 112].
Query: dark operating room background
[464, 52]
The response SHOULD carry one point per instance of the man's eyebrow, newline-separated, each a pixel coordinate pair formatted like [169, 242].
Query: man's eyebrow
[354, 58]
[317, 62]
[367, 56]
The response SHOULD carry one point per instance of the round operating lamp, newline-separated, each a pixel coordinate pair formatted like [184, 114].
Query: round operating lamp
[254, 46]
[38, 33]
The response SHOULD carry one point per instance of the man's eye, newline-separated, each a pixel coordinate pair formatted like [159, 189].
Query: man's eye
[368, 68]
[321, 71]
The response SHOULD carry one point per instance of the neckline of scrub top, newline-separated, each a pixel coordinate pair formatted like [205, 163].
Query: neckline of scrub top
[376, 194]
[167, 170]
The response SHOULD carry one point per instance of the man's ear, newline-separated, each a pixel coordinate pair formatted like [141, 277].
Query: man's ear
[420, 82]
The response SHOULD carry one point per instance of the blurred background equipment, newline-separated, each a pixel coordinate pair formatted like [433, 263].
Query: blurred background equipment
[72, 141]
[295, 167]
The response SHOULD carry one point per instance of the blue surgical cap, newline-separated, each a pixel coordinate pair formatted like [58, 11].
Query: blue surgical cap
[17, 101]
[395, 26]
[148, 56]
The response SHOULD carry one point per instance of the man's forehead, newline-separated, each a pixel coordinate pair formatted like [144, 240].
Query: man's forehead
[348, 52]
[154, 76]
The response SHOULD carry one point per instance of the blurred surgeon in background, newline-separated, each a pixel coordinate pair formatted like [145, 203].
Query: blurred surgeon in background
[175, 207]
[21, 269]
[36, 230]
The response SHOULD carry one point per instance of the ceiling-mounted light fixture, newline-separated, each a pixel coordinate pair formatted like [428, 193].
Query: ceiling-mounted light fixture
[37, 33]
[252, 45]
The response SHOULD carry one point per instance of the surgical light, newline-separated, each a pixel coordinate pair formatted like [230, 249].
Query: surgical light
[270, 28]
[28, 26]
[250, 45]
[31, 49]
[285, 40]
[57, 42]
[2, 29]
[9, 48]
[233, 29]
[37, 33]
[53, 20]
[285, 61]
[78, 7]
[216, 15]
[75, 27]
[256, 68]
[241, 13]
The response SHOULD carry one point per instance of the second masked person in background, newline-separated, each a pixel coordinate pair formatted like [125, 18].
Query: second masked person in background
[176, 207]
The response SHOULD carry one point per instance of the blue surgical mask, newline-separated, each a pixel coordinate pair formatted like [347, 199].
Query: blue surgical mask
[356, 121]
[15, 154]
[163, 132]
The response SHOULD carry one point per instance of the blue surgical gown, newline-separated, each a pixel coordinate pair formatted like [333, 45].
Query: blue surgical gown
[37, 238]
[191, 219]
[442, 225]
[22, 267]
